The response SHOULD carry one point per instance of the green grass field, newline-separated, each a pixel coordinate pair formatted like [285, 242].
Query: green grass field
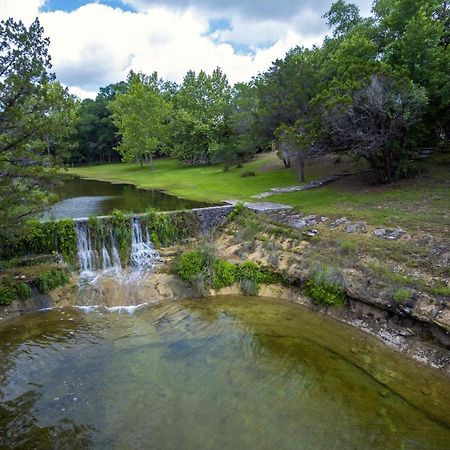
[419, 203]
[206, 183]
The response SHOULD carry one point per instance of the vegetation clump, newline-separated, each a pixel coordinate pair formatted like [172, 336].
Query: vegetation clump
[327, 287]
[201, 268]
[23, 291]
[7, 294]
[10, 291]
[51, 279]
[402, 295]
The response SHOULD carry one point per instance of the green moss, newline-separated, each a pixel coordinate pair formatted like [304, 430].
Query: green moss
[224, 274]
[23, 291]
[326, 286]
[402, 295]
[51, 279]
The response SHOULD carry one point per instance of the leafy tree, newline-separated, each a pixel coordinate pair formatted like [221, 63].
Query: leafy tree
[342, 17]
[202, 105]
[36, 117]
[375, 125]
[141, 115]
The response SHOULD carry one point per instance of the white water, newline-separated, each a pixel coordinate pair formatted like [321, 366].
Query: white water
[143, 256]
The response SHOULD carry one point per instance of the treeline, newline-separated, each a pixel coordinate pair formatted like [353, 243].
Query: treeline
[378, 88]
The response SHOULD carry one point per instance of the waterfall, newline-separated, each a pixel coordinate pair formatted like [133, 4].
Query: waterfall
[98, 255]
[86, 256]
[143, 254]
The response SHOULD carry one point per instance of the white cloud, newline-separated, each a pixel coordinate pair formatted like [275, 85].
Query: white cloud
[96, 45]
[25, 10]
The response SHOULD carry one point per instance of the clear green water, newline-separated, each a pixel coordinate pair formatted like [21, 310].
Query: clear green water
[231, 373]
[83, 198]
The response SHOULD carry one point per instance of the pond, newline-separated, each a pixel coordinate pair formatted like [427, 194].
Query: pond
[230, 373]
[83, 198]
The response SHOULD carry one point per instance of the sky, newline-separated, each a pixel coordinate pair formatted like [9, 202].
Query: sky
[97, 42]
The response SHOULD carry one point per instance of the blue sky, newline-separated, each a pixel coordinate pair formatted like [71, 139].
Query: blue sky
[95, 43]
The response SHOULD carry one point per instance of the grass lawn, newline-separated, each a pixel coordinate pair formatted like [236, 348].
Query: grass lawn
[205, 183]
[419, 203]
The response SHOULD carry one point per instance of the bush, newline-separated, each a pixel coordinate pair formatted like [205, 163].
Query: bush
[224, 274]
[247, 173]
[7, 294]
[251, 275]
[51, 279]
[190, 266]
[402, 295]
[23, 291]
[326, 286]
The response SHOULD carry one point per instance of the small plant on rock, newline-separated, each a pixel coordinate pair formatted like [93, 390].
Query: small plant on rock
[402, 295]
[326, 286]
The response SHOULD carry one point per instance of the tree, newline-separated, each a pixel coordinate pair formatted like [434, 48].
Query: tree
[36, 115]
[375, 126]
[202, 105]
[141, 116]
[342, 17]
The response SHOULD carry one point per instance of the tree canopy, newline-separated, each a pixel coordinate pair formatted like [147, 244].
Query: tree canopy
[36, 122]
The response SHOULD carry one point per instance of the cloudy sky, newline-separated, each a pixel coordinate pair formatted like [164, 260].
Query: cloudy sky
[97, 42]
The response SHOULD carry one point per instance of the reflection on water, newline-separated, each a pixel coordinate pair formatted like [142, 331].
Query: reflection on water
[233, 373]
[83, 198]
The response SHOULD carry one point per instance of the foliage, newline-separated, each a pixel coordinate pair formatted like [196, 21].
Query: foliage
[237, 210]
[36, 123]
[199, 125]
[141, 115]
[326, 286]
[23, 290]
[51, 279]
[170, 228]
[402, 295]
[96, 133]
[375, 125]
[7, 294]
[201, 268]
[441, 289]
[190, 266]
[224, 274]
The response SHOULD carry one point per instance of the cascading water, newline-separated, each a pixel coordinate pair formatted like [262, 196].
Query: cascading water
[86, 256]
[106, 261]
[143, 254]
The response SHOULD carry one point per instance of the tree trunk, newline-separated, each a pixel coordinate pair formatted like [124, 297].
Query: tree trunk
[140, 162]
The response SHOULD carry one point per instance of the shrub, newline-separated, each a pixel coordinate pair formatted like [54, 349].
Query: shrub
[23, 291]
[224, 274]
[326, 286]
[251, 275]
[249, 287]
[190, 266]
[236, 211]
[51, 279]
[7, 294]
[247, 173]
[402, 295]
